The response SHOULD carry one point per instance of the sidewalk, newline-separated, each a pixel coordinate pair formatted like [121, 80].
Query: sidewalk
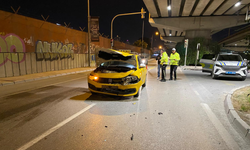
[197, 68]
[43, 75]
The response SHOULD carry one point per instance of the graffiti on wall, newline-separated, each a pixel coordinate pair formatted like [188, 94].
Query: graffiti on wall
[57, 50]
[53, 50]
[12, 49]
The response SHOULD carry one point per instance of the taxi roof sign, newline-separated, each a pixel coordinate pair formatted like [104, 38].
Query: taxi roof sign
[125, 50]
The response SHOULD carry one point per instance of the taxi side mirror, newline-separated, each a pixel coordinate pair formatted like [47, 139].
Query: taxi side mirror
[142, 65]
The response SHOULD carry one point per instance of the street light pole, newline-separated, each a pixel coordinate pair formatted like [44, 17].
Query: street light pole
[142, 37]
[89, 38]
[126, 14]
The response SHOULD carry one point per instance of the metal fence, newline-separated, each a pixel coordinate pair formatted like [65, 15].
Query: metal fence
[17, 64]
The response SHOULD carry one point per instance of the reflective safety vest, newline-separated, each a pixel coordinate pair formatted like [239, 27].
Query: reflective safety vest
[174, 58]
[164, 58]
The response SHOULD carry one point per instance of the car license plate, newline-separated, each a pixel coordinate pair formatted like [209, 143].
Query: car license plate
[109, 87]
[230, 72]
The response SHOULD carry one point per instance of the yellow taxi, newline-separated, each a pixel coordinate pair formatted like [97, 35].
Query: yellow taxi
[117, 73]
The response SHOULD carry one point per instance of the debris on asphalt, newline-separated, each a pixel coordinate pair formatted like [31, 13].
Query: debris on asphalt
[134, 114]
[132, 137]
[82, 135]
[160, 113]
[45, 138]
[134, 103]
[130, 115]
[145, 117]
[105, 140]
[106, 126]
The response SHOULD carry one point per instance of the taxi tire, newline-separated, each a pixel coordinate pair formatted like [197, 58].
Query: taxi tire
[137, 95]
[145, 83]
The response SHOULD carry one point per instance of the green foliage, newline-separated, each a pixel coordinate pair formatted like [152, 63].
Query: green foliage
[138, 43]
[244, 108]
[206, 47]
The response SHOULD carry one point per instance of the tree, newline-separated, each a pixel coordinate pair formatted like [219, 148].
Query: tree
[138, 43]
[206, 47]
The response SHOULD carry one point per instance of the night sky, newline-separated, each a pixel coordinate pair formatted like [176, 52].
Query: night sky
[75, 12]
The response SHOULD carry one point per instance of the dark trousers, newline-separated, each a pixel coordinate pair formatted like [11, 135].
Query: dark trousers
[159, 70]
[173, 69]
[163, 72]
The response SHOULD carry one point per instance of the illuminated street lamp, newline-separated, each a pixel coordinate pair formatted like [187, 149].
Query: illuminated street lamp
[156, 33]
[237, 4]
[160, 47]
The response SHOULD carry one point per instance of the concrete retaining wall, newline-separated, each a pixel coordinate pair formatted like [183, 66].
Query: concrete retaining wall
[31, 65]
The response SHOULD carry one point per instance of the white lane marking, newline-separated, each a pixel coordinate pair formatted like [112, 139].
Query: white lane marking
[220, 128]
[196, 92]
[37, 139]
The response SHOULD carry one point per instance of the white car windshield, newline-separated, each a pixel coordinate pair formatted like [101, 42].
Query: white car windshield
[229, 58]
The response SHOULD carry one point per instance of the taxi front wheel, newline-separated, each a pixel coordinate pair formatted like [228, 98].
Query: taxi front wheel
[138, 94]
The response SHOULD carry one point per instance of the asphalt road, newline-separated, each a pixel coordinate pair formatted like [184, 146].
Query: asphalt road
[60, 113]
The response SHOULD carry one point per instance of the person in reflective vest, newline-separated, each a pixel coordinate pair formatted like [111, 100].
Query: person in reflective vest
[174, 60]
[164, 62]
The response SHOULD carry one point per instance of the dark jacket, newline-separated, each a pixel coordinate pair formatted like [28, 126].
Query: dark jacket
[158, 58]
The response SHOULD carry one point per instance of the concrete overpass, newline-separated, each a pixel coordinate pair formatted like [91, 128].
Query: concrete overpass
[179, 19]
[238, 41]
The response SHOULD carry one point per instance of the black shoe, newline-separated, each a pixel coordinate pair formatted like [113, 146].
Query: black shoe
[163, 80]
[175, 79]
[170, 79]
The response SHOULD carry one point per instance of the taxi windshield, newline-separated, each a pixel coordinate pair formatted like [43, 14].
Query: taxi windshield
[119, 64]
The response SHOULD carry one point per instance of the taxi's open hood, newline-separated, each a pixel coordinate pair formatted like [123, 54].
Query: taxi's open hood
[104, 55]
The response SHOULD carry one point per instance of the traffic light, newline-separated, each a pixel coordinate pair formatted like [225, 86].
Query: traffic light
[142, 13]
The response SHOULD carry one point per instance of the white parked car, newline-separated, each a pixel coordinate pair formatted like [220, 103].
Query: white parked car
[207, 62]
[229, 65]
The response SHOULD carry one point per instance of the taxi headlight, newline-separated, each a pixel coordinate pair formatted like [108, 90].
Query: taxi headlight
[130, 79]
[143, 61]
[93, 78]
[218, 65]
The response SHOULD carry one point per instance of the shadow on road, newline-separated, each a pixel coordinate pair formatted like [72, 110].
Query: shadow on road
[88, 96]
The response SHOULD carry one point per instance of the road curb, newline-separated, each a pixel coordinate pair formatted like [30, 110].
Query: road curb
[8, 83]
[235, 119]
